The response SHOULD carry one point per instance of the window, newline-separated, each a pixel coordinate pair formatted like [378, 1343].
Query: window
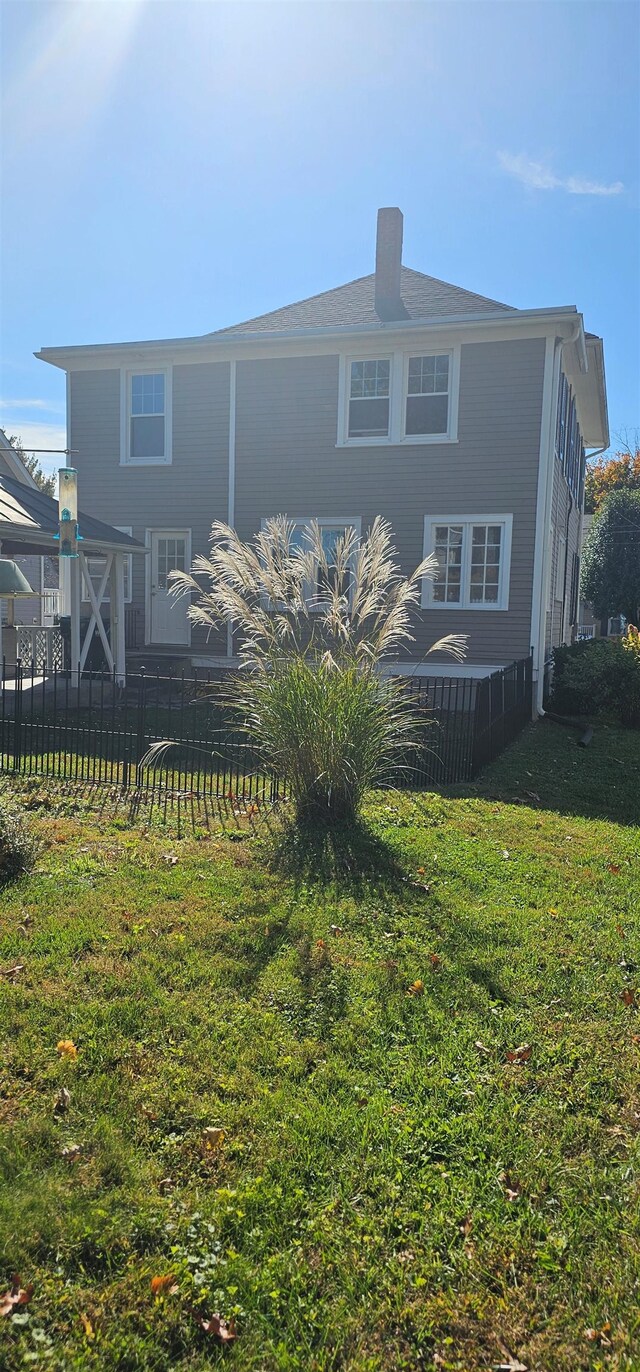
[146, 417]
[369, 391]
[402, 398]
[330, 531]
[474, 556]
[95, 569]
[560, 567]
[427, 399]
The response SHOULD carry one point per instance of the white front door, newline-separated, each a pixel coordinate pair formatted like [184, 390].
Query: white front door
[168, 622]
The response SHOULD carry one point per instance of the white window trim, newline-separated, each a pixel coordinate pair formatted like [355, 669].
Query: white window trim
[398, 382]
[323, 521]
[126, 374]
[502, 603]
[128, 600]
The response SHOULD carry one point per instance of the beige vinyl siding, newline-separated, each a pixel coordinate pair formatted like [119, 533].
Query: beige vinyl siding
[287, 462]
[189, 493]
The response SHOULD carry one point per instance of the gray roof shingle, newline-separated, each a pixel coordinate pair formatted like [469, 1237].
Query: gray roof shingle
[423, 297]
[30, 508]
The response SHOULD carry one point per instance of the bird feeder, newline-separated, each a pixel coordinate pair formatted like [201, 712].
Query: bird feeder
[68, 511]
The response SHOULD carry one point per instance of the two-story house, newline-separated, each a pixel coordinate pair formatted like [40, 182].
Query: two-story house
[461, 420]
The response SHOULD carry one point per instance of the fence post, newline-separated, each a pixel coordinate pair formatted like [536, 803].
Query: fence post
[17, 718]
[140, 722]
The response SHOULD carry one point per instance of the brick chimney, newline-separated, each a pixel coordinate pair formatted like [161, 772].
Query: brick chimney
[388, 299]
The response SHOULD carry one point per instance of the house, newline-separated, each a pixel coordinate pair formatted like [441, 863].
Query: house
[462, 420]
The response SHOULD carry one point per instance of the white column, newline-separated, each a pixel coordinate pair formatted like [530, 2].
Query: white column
[74, 611]
[116, 595]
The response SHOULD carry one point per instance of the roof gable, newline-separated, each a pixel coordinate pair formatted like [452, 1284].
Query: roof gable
[423, 297]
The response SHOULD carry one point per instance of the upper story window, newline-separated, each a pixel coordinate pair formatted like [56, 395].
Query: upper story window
[401, 398]
[427, 401]
[474, 559]
[147, 417]
[369, 398]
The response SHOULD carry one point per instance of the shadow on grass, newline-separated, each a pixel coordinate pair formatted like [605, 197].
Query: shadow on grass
[352, 856]
[546, 770]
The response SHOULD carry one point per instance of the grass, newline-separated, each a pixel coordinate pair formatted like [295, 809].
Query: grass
[391, 1191]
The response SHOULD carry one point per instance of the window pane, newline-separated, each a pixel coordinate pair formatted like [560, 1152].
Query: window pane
[427, 414]
[147, 394]
[147, 436]
[370, 379]
[368, 418]
[447, 546]
[428, 374]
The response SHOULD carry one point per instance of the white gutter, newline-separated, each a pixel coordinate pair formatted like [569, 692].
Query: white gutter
[505, 318]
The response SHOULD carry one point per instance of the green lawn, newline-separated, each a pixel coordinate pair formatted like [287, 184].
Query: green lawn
[392, 1191]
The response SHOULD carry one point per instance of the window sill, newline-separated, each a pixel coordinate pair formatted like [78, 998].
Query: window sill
[465, 609]
[427, 442]
[145, 462]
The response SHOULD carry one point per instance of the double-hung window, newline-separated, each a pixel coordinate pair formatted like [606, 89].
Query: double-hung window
[401, 398]
[369, 396]
[427, 398]
[473, 555]
[147, 417]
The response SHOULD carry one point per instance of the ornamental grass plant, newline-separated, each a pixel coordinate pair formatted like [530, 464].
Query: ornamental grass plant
[317, 616]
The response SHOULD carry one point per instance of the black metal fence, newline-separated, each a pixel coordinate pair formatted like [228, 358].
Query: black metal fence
[98, 732]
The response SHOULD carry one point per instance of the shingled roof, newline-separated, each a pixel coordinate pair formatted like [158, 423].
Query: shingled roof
[423, 297]
[26, 510]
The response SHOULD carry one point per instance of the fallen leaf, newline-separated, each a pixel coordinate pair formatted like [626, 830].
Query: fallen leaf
[421, 871]
[67, 1049]
[216, 1326]
[628, 996]
[62, 1101]
[87, 1326]
[599, 1335]
[614, 868]
[166, 1285]
[12, 971]
[72, 1152]
[521, 1054]
[16, 1296]
[416, 988]
[620, 931]
[320, 943]
[552, 911]
[482, 1047]
[434, 959]
[337, 930]
[212, 1139]
[466, 1226]
[511, 1363]
[171, 858]
[505, 853]
[533, 795]
[512, 1188]
[167, 1184]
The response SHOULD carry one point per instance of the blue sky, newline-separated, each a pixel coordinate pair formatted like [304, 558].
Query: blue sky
[169, 168]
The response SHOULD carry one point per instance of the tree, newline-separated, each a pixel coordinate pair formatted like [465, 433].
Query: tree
[620, 472]
[610, 579]
[47, 484]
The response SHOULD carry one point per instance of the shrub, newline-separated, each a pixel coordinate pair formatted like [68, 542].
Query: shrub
[18, 845]
[315, 623]
[599, 676]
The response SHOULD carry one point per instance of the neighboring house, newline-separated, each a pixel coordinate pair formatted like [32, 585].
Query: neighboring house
[41, 572]
[461, 420]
